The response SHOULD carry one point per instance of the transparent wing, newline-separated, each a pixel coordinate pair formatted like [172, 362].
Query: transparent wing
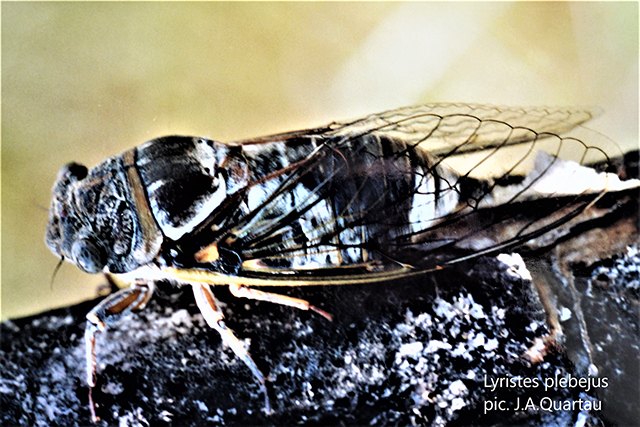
[457, 133]
[465, 127]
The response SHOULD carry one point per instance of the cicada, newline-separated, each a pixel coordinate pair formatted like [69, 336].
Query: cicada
[387, 196]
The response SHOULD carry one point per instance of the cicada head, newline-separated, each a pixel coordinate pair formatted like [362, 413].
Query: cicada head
[63, 219]
[93, 221]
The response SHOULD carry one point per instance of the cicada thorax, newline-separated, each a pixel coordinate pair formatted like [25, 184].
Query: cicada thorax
[182, 180]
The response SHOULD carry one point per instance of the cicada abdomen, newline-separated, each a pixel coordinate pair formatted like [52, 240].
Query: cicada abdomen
[393, 194]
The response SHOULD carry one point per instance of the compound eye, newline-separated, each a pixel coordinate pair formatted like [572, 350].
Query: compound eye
[73, 172]
[90, 257]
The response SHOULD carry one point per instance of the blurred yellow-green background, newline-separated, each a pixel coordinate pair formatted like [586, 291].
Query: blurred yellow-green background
[84, 81]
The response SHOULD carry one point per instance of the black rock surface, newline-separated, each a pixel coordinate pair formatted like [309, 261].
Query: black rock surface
[412, 352]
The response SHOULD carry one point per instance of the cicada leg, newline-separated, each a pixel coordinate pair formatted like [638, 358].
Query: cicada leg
[240, 291]
[132, 298]
[213, 316]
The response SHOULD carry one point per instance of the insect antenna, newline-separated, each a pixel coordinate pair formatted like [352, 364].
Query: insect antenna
[42, 208]
[55, 271]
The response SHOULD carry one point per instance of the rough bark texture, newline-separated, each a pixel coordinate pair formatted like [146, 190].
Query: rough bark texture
[403, 353]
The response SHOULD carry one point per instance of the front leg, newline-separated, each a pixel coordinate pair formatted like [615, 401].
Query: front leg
[108, 311]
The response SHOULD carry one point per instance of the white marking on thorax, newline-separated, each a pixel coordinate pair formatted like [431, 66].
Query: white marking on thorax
[202, 208]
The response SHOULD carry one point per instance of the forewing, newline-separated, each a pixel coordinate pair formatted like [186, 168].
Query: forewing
[467, 136]
[446, 129]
